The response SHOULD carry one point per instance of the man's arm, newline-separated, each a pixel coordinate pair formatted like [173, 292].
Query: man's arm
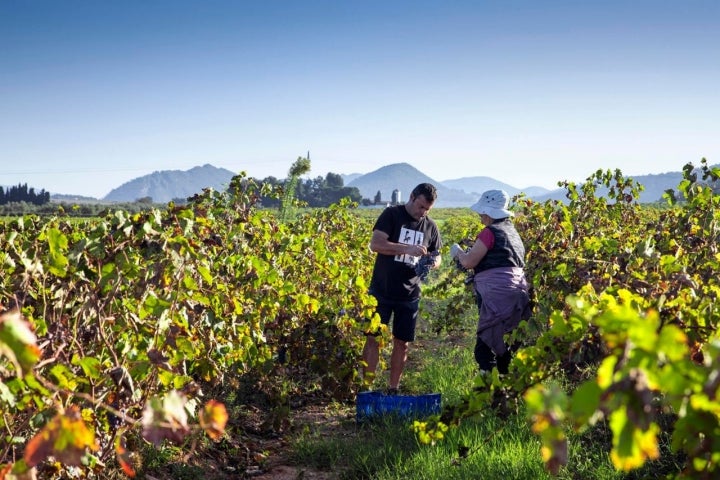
[379, 243]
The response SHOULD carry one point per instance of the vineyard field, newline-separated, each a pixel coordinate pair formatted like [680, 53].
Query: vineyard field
[138, 330]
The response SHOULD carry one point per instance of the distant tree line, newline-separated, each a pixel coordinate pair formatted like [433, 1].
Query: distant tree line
[21, 193]
[72, 209]
[314, 192]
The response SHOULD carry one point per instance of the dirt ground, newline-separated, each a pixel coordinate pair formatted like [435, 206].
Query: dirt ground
[263, 452]
[277, 465]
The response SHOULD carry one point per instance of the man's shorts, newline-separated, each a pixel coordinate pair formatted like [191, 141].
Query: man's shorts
[404, 316]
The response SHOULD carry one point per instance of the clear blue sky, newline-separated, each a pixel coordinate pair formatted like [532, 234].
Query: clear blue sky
[94, 93]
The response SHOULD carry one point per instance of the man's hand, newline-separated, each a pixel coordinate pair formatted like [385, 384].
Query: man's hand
[417, 250]
[456, 250]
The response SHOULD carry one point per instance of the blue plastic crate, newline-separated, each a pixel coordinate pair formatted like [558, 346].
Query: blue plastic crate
[372, 405]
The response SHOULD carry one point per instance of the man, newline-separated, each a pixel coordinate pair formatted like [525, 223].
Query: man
[401, 235]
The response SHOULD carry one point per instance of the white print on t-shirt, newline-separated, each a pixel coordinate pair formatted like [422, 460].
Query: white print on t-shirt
[409, 237]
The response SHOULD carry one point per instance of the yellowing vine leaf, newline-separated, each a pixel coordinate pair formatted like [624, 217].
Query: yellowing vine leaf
[18, 341]
[632, 446]
[65, 437]
[213, 418]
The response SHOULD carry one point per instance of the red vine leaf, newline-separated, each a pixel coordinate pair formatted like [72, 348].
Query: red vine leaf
[123, 457]
[17, 471]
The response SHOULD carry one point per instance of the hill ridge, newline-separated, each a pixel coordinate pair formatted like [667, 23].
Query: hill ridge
[167, 185]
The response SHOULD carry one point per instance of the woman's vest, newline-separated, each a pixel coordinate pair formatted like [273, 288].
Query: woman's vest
[508, 250]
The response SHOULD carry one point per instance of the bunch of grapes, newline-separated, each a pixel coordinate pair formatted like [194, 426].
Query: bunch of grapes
[423, 266]
[459, 266]
[469, 273]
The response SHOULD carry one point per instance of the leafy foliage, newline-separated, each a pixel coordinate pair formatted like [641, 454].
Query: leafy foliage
[116, 329]
[626, 315]
[113, 331]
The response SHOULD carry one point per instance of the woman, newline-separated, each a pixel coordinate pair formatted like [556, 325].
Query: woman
[498, 260]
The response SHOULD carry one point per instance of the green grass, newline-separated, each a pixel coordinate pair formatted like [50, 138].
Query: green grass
[481, 447]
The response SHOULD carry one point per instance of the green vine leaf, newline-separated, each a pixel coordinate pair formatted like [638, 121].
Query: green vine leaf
[58, 245]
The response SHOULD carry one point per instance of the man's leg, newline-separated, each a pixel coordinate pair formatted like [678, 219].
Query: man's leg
[406, 314]
[397, 362]
[371, 357]
[371, 350]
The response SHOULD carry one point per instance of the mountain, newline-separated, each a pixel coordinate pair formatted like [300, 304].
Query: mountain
[404, 177]
[477, 185]
[533, 192]
[463, 192]
[654, 186]
[349, 177]
[164, 186]
[60, 197]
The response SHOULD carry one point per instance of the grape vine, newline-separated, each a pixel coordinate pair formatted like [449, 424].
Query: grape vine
[626, 315]
[128, 329]
[113, 330]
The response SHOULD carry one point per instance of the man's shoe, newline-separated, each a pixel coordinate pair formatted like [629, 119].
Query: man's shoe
[392, 391]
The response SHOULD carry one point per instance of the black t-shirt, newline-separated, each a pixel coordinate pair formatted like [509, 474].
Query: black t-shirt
[394, 276]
